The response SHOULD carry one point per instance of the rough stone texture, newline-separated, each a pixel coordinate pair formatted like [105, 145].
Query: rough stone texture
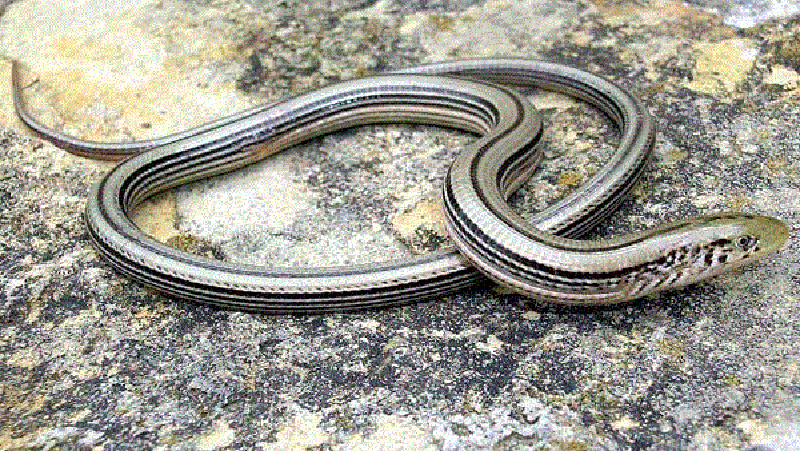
[91, 360]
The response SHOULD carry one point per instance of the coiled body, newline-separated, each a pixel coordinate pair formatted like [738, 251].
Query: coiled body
[538, 258]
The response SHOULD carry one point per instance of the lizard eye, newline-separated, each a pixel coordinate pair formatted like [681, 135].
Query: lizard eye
[745, 242]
